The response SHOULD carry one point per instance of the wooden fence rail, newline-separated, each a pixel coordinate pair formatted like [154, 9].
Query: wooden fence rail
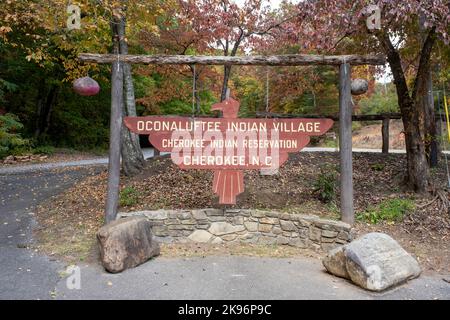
[384, 117]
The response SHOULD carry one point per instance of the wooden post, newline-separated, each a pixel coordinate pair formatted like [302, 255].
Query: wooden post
[114, 142]
[345, 141]
[385, 135]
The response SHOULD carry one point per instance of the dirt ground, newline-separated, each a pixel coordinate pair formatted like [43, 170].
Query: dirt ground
[69, 221]
[369, 136]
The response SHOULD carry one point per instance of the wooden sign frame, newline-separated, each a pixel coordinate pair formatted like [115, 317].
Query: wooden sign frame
[345, 107]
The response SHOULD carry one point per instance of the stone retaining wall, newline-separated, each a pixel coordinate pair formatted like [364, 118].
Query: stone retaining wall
[245, 225]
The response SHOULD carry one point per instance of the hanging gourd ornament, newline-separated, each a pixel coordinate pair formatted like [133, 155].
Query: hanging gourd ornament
[359, 86]
[86, 86]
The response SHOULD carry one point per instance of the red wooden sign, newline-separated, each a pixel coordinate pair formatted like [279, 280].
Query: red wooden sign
[228, 145]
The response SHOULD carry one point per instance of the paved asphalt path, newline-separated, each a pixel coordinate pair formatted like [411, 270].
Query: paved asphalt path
[235, 277]
[25, 274]
[148, 153]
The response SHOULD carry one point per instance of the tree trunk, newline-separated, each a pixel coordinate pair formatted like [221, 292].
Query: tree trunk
[51, 104]
[422, 99]
[417, 165]
[132, 157]
[226, 78]
[417, 176]
[37, 131]
[45, 108]
[227, 67]
[427, 102]
[429, 122]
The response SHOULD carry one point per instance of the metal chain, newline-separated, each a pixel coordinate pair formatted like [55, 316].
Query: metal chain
[194, 87]
[345, 67]
[267, 91]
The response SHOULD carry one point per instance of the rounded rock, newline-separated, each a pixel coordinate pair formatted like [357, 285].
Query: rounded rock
[359, 86]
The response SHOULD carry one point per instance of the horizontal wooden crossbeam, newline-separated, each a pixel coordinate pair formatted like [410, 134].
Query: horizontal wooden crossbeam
[277, 60]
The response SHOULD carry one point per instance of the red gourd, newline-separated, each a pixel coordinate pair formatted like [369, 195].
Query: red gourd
[86, 86]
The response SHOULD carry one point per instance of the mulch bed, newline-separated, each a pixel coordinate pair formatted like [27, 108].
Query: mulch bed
[69, 221]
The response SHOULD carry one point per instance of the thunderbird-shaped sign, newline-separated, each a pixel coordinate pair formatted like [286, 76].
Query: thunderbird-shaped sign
[228, 145]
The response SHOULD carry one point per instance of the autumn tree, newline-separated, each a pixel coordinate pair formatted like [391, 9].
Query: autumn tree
[38, 28]
[36, 32]
[141, 14]
[177, 34]
[408, 34]
[230, 28]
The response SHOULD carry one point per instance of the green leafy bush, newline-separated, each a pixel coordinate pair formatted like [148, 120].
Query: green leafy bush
[44, 149]
[326, 184]
[5, 87]
[384, 100]
[391, 210]
[128, 197]
[11, 142]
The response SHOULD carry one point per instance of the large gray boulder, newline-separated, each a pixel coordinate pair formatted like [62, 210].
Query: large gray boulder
[374, 261]
[334, 262]
[126, 243]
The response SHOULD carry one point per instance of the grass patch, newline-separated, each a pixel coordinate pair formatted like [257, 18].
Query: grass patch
[74, 249]
[128, 197]
[391, 210]
[378, 166]
[314, 207]
[329, 143]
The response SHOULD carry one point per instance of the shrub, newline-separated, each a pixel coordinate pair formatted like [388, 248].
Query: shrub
[391, 210]
[45, 149]
[326, 184]
[128, 197]
[330, 143]
[383, 100]
[11, 142]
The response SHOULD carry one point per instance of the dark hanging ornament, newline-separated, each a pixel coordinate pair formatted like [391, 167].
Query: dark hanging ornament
[359, 86]
[86, 86]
